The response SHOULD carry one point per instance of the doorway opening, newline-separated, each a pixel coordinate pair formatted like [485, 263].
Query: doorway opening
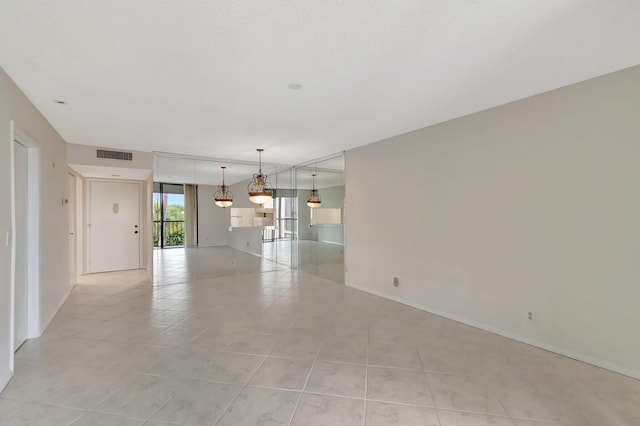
[21, 244]
[72, 229]
[283, 204]
[25, 200]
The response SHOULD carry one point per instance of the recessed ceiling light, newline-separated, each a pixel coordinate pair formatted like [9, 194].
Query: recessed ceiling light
[58, 101]
[295, 86]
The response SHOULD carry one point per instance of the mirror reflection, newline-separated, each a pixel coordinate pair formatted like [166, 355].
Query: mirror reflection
[302, 226]
[321, 227]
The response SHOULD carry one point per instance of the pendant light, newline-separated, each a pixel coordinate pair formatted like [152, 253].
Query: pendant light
[313, 200]
[260, 191]
[223, 197]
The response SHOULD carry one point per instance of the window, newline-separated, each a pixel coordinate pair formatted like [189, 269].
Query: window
[168, 215]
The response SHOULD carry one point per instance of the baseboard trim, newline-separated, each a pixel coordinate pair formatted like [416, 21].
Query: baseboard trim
[44, 325]
[533, 342]
[330, 242]
[5, 376]
[246, 251]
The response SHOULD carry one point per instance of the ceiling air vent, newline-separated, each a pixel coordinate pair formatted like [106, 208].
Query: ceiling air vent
[115, 155]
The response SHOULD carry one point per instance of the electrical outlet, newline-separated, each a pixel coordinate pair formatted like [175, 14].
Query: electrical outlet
[530, 316]
[396, 281]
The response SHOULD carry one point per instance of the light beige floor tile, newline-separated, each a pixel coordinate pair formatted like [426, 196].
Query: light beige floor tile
[604, 406]
[186, 363]
[233, 368]
[134, 357]
[122, 332]
[198, 403]
[43, 415]
[394, 385]
[264, 407]
[348, 351]
[297, 346]
[453, 418]
[271, 325]
[394, 355]
[142, 315]
[253, 343]
[31, 382]
[83, 387]
[198, 319]
[387, 414]
[195, 363]
[528, 401]
[10, 407]
[175, 336]
[213, 340]
[64, 326]
[328, 410]
[464, 393]
[337, 379]
[284, 373]
[140, 398]
[447, 359]
[97, 419]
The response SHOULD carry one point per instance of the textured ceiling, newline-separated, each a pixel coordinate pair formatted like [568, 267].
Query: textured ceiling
[211, 78]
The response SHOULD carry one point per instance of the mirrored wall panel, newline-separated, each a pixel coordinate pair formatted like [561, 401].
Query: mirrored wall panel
[302, 226]
[265, 231]
[278, 240]
[320, 232]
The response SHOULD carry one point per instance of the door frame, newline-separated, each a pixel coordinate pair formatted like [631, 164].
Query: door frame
[141, 206]
[71, 202]
[33, 232]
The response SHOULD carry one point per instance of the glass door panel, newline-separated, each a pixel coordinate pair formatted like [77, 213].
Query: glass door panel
[168, 215]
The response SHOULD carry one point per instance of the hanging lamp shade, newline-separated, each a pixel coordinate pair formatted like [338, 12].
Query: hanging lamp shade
[260, 191]
[223, 197]
[313, 200]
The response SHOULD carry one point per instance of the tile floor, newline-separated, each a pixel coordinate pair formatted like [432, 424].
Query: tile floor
[325, 260]
[225, 338]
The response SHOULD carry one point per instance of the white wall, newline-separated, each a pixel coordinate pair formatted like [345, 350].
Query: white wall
[213, 221]
[53, 225]
[531, 206]
[247, 239]
[240, 194]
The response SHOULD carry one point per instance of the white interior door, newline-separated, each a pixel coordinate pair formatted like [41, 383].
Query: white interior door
[71, 226]
[114, 228]
[20, 295]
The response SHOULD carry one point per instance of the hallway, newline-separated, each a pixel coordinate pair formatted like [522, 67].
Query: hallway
[222, 337]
